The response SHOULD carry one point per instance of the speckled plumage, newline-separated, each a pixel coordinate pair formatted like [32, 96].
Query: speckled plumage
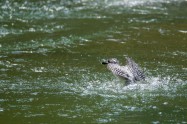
[130, 72]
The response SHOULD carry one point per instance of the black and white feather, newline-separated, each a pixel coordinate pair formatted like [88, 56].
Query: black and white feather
[131, 72]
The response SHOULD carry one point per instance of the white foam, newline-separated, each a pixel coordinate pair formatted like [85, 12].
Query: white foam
[115, 88]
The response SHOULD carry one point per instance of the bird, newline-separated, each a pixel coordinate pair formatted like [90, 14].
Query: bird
[131, 72]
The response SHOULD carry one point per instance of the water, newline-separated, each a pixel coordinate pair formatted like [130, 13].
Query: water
[51, 53]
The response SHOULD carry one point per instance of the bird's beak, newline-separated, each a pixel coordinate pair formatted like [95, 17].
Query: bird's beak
[105, 62]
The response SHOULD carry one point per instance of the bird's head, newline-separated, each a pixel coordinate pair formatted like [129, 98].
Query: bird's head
[111, 61]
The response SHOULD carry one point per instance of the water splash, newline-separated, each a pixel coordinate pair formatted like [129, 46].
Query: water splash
[116, 88]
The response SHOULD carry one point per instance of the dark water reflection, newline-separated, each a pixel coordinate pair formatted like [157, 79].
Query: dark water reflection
[51, 51]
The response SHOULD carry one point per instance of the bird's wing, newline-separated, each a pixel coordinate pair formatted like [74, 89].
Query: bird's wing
[135, 69]
[119, 71]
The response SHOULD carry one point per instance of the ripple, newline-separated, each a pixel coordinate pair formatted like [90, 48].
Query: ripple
[53, 9]
[183, 31]
[50, 52]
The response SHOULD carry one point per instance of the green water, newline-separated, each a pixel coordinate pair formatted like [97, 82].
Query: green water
[51, 53]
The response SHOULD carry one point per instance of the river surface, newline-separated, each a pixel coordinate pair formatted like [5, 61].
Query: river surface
[51, 53]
